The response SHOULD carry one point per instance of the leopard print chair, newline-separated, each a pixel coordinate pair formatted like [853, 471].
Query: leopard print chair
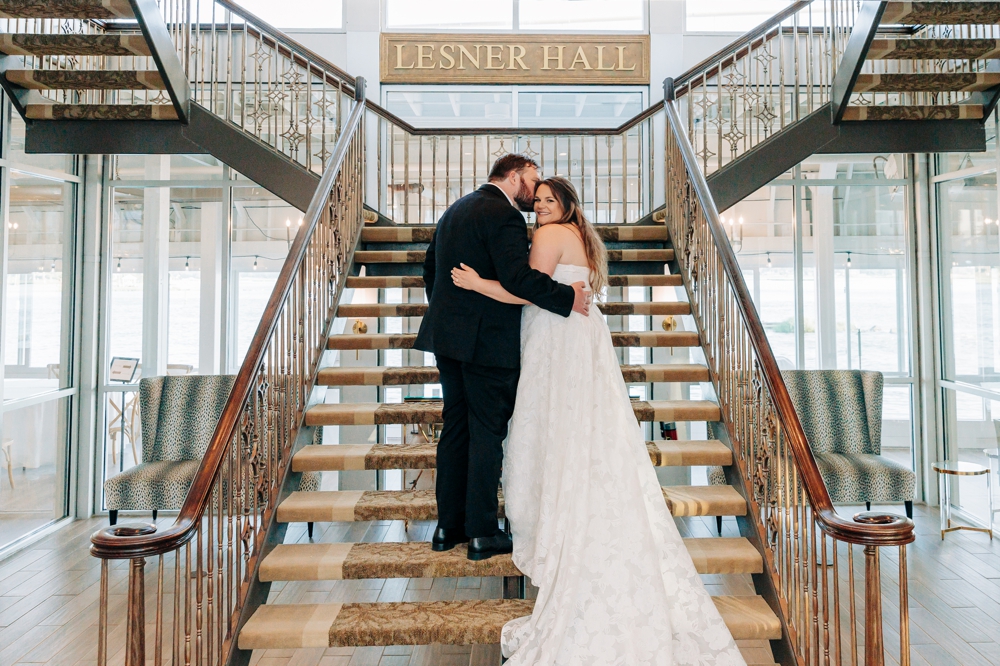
[841, 414]
[179, 415]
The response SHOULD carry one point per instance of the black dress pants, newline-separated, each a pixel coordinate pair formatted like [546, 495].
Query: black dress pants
[478, 403]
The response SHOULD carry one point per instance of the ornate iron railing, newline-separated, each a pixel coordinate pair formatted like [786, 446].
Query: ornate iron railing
[805, 542]
[204, 573]
[766, 80]
[422, 171]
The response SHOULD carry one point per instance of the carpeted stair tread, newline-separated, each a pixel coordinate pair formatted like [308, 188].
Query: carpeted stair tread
[405, 340]
[66, 9]
[941, 13]
[915, 112]
[85, 79]
[415, 559]
[428, 374]
[414, 233]
[414, 282]
[356, 311]
[325, 506]
[73, 44]
[933, 49]
[347, 457]
[429, 411]
[101, 112]
[417, 256]
[950, 82]
[290, 626]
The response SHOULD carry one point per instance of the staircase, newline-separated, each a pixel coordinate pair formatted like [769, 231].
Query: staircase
[479, 621]
[833, 76]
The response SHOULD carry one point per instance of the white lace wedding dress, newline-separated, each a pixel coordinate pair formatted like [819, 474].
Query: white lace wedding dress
[591, 529]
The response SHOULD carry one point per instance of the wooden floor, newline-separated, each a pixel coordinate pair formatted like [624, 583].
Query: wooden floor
[49, 595]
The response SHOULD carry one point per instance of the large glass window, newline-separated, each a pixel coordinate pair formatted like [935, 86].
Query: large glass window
[824, 251]
[37, 316]
[730, 15]
[537, 15]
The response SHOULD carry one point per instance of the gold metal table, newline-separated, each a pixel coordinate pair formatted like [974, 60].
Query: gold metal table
[959, 468]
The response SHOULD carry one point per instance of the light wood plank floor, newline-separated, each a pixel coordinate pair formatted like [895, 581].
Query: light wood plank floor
[49, 598]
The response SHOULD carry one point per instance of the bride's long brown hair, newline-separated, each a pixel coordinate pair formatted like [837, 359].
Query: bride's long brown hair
[597, 254]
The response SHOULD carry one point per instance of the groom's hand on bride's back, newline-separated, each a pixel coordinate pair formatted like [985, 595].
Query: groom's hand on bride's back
[581, 298]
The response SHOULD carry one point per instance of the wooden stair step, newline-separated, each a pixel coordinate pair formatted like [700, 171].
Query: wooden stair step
[346, 457]
[415, 559]
[323, 506]
[24, 44]
[66, 9]
[291, 626]
[933, 49]
[915, 112]
[406, 340]
[941, 13]
[417, 256]
[85, 79]
[101, 112]
[428, 374]
[413, 233]
[429, 411]
[413, 282]
[355, 311]
[952, 82]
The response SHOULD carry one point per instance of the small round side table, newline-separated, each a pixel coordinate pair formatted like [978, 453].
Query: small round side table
[959, 468]
[993, 456]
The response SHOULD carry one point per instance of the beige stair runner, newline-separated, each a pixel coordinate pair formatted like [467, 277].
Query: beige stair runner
[325, 506]
[344, 457]
[448, 622]
[415, 559]
[405, 340]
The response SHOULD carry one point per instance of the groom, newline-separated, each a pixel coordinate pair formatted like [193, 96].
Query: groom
[477, 344]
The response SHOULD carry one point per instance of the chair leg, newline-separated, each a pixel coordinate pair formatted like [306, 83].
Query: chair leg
[113, 516]
[908, 504]
[868, 505]
[309, 528]
[154, 515]
[718, 524]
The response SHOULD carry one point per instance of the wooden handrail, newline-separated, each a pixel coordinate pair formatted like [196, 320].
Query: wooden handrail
[122, 542]
[887, 530]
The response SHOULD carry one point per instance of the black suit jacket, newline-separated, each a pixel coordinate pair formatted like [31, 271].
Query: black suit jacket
[484, 231]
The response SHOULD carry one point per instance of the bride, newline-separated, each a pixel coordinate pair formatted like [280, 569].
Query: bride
[616, 584]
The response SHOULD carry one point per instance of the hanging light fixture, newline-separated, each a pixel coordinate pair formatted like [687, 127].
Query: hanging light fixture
[118, 268]
[768, 259]
[255, 262]
[848, 259]
[187, 263]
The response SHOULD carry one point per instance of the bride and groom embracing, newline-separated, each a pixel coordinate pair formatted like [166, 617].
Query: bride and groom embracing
[590, 527]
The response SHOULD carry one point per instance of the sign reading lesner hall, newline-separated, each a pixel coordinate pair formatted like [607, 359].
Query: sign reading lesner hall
[515, 59]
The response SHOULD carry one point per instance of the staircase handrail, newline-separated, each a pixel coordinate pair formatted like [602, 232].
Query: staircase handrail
[227, 522]
[894, 532]
[109, 543]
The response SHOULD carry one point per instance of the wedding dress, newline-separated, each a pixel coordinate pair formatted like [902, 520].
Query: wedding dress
[616, 585]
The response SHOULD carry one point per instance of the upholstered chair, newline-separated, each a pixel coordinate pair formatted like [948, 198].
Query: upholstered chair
[841, 414]
[179, 414]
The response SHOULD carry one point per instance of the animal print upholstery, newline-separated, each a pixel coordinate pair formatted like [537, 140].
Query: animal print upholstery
[841, 414]
[179, 415]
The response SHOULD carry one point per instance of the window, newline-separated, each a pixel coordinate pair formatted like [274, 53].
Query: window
[582, 15]
[431, 15]
[730, 15]
[535, 15]
[298, 14]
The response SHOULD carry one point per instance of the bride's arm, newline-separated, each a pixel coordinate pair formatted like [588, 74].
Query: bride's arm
[467, 278]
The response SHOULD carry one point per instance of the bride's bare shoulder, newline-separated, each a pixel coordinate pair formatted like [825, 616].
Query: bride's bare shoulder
[555, 234]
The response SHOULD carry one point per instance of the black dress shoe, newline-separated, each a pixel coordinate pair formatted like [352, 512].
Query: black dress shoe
[481, 548]
[446, 539]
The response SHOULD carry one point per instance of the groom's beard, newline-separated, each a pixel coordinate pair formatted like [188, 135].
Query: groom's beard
[525, 198]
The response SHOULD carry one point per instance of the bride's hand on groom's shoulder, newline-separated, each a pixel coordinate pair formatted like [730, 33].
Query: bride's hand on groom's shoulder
[465, 277]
